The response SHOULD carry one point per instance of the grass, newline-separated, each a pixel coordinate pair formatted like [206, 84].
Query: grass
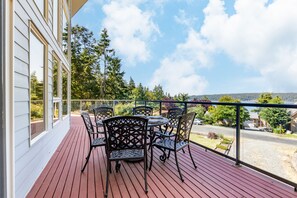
[203, 140]
[294, 136]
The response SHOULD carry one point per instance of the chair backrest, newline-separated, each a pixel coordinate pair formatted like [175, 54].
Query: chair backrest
[88, 124]
[184, 127]
[102, 113]
[143, 110]
[125, 132]
[173, 115]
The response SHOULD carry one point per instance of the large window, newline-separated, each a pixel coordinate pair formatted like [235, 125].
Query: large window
[56, 18]
[56, 92]
[65, 77]
[65, 35]
[37, 82]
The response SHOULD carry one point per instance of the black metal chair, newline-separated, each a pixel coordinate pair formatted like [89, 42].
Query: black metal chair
[143, 110]
[102, 113]
[181, 140]
[125, 140]
[172, 115]
[94, 138]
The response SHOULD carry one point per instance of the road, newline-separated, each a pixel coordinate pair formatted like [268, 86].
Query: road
[249, 134]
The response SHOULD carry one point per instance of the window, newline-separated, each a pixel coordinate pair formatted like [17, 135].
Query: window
[65, 77]
[65, 35]
[38, 50]
[56, 92]
[56, 18]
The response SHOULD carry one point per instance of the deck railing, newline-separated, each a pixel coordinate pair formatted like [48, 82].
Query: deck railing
[248, 144]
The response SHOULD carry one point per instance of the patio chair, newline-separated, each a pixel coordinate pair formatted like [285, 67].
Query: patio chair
[94, 138]
[125, 140]
[181, 140]
[143, 110]
[172, 115]
[101, 113]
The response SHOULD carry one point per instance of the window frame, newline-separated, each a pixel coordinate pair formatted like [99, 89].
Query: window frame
[58, 20]
[66, 69]
[34, 30]
[57, 99]
[67, 16]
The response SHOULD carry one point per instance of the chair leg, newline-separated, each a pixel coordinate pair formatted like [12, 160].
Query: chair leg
[176, 161]
[87, 159]
[109, 166]
[152, 157]
[107, 177]
[168, 154]
[191, 156]
[145, 177]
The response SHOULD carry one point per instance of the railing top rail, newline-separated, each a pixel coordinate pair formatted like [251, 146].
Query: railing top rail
[291, 106]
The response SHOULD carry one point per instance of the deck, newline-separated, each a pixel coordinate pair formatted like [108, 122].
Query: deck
[215, 176]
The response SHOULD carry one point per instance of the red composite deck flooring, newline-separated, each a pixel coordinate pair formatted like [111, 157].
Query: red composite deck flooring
[215, 176]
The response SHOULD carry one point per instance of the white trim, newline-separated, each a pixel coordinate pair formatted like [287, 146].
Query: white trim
[9, 107]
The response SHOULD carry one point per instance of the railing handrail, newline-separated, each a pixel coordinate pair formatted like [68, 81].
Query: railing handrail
[291, 106]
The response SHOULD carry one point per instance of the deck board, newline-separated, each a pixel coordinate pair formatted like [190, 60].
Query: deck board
[215, 176]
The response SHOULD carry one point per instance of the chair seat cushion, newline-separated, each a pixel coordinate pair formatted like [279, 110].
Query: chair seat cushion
[98, 142]
[169, 144]
[127, 154]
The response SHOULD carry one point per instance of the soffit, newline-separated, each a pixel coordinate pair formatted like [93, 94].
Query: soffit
[76, 5]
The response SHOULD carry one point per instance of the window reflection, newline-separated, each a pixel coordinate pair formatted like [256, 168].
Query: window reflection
[65, 91]
[56, 98]
[65, 33]
[37, 51]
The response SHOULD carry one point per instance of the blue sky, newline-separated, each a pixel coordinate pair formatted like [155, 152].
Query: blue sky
[201, 46]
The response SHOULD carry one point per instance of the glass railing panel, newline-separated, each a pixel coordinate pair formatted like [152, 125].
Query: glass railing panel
[123, 107]
[214, 128]
[269, 141]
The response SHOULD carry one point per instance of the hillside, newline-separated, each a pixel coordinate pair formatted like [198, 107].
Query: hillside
[288, 97]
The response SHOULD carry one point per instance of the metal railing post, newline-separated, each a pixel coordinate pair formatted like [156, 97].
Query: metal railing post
[135, 103]
[186, 107]
[160, 111]
[80, 105]
[145, 103]
[237, 162]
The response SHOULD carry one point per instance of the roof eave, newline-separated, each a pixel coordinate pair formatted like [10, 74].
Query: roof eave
[76, 5]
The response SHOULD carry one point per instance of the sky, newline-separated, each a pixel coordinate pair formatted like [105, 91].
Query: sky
[201, 47]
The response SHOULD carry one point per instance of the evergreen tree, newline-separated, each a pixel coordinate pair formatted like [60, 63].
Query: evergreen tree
[115, 83]
[158, 93]
[84, 64]
[106, 55]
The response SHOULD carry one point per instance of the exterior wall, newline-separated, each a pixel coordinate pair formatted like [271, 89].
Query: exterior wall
[31, 158]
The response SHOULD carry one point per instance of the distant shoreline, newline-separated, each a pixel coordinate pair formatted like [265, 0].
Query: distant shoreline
[288, 98]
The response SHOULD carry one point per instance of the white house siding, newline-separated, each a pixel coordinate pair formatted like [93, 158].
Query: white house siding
[30, 159]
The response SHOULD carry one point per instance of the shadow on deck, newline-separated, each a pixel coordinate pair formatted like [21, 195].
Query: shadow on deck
[215, 176]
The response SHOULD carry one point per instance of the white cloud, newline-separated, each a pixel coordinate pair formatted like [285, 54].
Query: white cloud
[130, 28]
[177, 73]
[183, 19]
[261, 35]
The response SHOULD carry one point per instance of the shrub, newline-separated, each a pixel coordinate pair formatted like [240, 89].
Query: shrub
[279, 130]
[212, 135]
[123, 109]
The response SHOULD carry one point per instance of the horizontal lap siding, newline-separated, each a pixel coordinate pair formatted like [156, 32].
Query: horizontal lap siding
[30, 160]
